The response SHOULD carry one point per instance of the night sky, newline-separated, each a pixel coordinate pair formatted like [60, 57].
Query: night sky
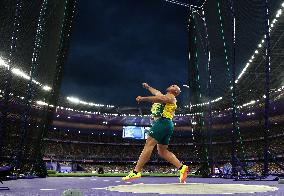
[118, 44]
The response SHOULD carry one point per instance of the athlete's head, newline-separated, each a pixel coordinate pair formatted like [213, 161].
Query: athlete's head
[174, 89]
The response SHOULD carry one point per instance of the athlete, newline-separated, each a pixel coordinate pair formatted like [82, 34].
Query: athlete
[161, 131]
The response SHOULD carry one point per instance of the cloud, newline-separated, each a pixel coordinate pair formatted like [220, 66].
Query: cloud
[117, 45]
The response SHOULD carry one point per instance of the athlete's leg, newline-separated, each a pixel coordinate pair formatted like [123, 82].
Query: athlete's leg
[170, 157]
[146, 153]
[167, 155]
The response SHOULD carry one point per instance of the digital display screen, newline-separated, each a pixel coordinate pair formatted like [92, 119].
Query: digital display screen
[134, 132]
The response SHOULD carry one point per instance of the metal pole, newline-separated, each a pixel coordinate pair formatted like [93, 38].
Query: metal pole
[267, 93]
[26, 117]
[233, 95]
[209, 89]
[193, 69]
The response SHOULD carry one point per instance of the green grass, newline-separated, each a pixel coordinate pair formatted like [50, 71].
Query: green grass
[51, 172]
[72, 175]
[110, 175]
[124, 174]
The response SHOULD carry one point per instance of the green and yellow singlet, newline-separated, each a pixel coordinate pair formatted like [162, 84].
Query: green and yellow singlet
[163, 110]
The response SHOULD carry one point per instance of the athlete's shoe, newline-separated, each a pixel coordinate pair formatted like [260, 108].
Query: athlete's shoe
[183, 174]
[132, 176]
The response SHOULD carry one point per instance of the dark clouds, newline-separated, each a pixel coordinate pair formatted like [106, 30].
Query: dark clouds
[118, 44]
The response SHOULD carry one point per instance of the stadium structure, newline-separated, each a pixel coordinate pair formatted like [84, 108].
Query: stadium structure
[238, 135]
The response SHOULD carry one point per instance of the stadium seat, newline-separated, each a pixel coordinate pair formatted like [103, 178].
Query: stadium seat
[5, 171]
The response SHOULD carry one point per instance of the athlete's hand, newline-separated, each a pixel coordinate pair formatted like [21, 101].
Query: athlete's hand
[145, 85]
[139, 99]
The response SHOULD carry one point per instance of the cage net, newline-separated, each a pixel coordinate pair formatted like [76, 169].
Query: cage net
[216, 57]
[33, 46]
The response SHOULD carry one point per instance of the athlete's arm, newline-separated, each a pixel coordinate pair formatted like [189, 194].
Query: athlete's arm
[157, 99]
[151, 89]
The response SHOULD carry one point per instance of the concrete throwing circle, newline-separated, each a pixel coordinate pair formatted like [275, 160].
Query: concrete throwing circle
[192, 188]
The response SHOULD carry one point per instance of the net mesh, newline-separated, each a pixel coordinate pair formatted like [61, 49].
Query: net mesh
[33, 45]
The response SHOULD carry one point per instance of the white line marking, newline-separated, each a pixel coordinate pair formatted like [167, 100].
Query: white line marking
[99, 188]
[47, 189]
[93, 179]
[105, 180]
[128, 182]
[117, 181]
[81, 178]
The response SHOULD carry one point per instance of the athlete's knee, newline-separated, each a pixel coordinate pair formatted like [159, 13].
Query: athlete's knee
[148, 147]
[151, 142]
[162, 151]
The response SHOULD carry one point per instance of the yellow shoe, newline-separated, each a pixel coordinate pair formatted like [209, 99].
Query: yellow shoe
[132, 176]
[183, 174]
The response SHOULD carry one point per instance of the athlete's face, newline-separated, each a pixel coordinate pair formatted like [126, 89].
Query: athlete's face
[174, 89]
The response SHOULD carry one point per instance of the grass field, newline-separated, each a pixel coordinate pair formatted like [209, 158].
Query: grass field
[109, 175]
